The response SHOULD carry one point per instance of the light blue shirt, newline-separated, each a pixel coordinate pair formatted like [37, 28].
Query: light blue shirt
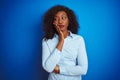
[72, 60]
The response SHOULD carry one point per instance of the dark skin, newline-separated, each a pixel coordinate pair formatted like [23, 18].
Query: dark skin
[61, 23]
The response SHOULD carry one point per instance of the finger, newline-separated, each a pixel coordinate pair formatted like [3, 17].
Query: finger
[57, 28]
[55, 25]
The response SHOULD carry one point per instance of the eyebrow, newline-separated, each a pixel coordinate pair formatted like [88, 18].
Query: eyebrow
[62, 15]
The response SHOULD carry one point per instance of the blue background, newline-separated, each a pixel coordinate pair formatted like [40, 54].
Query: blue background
[21, 35]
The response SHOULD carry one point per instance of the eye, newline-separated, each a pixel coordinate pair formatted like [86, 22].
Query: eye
[63, 17]
[55, 19]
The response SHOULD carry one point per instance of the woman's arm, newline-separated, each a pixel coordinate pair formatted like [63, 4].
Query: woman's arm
[49, 59]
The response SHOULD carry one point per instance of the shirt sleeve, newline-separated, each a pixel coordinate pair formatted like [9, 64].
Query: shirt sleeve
[49, 59]
[82, 63]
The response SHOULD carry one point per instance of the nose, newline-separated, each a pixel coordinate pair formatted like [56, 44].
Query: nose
[60, 21]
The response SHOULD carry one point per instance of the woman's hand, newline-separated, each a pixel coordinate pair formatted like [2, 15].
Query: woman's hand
[56, 70]
[61, 38]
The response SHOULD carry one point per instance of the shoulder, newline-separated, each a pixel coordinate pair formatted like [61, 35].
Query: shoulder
[78, 37]
[44, 40]
[79, 40]
[47, 40]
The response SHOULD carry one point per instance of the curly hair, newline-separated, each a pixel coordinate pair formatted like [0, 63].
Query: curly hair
[48, 19]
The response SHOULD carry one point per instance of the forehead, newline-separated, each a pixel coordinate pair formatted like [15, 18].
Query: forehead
[61, 13]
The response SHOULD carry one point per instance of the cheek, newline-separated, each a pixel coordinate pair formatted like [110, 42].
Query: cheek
[67, 23]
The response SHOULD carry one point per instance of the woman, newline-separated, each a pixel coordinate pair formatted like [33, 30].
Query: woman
[63, 51]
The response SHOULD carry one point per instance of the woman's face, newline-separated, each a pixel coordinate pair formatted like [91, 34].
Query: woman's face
[61, 20]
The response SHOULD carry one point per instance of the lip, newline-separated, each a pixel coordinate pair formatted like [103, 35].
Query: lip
[61, 26]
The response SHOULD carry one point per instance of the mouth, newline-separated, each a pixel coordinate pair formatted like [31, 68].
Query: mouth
[61, 26]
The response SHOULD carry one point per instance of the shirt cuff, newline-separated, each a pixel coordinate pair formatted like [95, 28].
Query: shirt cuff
[62, 69]
[57, 54]
[58, 51]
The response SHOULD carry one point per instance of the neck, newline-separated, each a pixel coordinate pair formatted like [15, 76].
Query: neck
[65, 33]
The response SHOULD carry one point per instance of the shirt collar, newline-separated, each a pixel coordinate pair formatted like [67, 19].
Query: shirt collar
[71, 35]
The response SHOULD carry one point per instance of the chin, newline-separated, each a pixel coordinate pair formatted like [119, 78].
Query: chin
[62, 30]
